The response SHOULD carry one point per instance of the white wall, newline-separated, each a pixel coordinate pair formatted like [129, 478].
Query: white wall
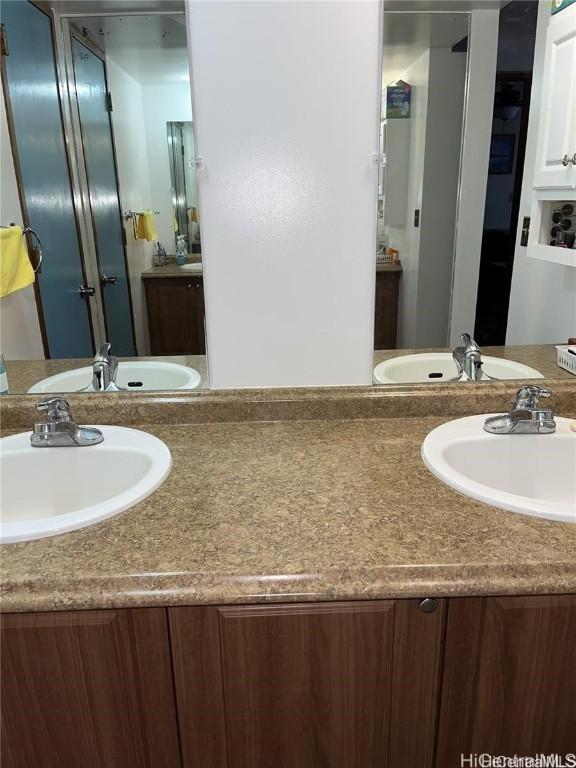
[407, 239]
[543, 294]
[134, 182]
[20, 337]
[482, 56]
[140, 114]
[163, 104]
[286, 113]
[444, 117]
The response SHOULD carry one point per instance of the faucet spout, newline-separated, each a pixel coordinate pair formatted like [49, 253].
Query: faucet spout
[104, 369]
[468, 358]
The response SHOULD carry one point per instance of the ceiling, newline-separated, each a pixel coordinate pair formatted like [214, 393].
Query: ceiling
[150, 48]
[408, 35]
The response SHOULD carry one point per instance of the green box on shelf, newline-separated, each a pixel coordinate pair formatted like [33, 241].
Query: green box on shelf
[398, 100]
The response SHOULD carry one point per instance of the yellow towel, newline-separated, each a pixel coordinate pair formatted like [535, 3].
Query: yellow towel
[147, 229]
[15, 269]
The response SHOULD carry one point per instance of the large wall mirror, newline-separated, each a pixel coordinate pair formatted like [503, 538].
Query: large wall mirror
[99, 186]
[99, 163]
[447, 308]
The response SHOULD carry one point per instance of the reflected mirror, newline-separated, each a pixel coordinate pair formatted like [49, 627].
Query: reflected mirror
[98, 146]
[182, 158]
[454, 131]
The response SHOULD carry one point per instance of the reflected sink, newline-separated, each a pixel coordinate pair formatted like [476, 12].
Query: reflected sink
[75, 487]
[430, 367]
[134, 376]
[192, 267]
[530, 474]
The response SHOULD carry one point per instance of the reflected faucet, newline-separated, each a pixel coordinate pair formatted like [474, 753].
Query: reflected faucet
[59, 431]
[104, 369]
[468, 358]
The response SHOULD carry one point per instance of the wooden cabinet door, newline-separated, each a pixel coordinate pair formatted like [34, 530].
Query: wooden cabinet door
[509, 681]
[175, 315]
[87, 689]
[195, 310]
[557, 130]
[386, 310]
[318, 685]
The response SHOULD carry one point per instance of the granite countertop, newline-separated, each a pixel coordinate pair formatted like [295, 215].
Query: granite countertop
[260, 511]
[173, 270]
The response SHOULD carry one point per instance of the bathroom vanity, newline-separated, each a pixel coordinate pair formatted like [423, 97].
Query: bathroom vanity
[175, 310]
[301, 591]
[359, 683]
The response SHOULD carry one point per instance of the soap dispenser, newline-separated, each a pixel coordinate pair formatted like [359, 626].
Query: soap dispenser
[181, 250]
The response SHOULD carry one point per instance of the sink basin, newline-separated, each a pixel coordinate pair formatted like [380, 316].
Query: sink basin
[134, 376]
[75, 487]
[192, 267]
[530, 474]
[439, 366]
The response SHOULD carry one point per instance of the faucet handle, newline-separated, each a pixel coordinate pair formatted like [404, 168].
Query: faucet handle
[56, 409]
[529, 396]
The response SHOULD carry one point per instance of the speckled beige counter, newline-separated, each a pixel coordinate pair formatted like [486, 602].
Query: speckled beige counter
[171, 268]
[294, 510]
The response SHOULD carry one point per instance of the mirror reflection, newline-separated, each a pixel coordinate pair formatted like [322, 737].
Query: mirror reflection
[106, 174]
[100, 201]
[444, 310]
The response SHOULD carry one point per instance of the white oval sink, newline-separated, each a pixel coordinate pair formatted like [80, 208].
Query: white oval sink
[530, 474]
[430, 367]
[75, 487]
[193, 266]
[134, 376]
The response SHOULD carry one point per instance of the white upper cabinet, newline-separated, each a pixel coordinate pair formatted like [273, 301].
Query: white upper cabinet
[556, 155]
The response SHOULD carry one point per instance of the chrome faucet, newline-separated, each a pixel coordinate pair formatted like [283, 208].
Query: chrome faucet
[104, 369]
[468, 358]
[526, 418]
[59, 430]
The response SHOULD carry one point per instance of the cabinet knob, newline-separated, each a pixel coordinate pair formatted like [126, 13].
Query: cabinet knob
[566, 161]
[428, 604]
[86, 291]
[574, 159]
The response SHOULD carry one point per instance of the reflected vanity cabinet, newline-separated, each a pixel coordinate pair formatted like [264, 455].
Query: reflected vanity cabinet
[175, 307]
[392, 683]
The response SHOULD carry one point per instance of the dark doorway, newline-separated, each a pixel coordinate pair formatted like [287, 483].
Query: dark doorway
[516, 39]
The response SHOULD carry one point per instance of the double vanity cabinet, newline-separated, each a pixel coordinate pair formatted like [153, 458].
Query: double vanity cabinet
[362, 684]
